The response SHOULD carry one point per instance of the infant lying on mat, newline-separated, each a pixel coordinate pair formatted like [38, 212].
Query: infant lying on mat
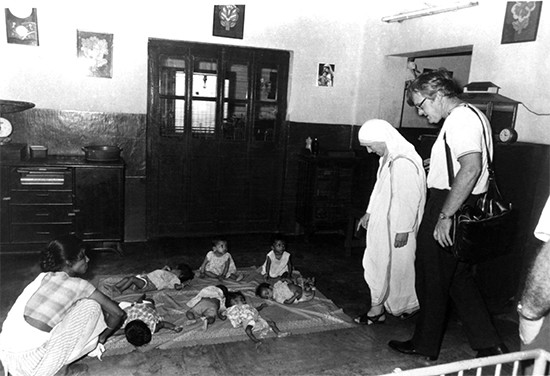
[142, 321]
[208, 304]
[243, 315]
[165, 278]
[287, 291]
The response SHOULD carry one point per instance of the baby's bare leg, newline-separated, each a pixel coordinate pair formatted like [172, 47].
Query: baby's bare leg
[210, 274]
[124, 284]
[276, 329]
[131, 281]
[236, 276]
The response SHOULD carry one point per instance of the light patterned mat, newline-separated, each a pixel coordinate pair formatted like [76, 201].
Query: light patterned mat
[319, 314]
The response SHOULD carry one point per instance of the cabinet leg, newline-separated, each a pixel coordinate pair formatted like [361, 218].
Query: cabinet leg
[110, 247]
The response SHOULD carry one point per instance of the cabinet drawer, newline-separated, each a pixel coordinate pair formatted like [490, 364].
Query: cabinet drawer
[41, 213]
[39, 233]
[41, 197]
[41, 178]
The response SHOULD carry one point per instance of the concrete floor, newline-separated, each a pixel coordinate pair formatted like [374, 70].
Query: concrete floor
[361, 350]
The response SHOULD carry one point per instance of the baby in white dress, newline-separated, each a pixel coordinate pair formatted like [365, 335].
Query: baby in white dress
[219, 264]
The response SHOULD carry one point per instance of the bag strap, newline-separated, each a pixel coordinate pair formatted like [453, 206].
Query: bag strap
[450, 170]
[449, 160]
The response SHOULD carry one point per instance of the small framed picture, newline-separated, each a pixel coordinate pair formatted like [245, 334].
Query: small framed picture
[22, 26]
[325, 74]
[228, 21]
[521, 21]
[95, 53]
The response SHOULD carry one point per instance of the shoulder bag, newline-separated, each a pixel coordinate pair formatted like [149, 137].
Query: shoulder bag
[481, 230]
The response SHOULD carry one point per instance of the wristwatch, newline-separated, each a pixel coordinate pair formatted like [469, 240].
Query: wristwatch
[523, 315]
[444, 216]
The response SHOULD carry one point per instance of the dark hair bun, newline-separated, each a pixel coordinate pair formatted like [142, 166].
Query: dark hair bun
[60, 251]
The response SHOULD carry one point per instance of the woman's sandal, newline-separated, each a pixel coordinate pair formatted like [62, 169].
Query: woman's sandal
[365, 319]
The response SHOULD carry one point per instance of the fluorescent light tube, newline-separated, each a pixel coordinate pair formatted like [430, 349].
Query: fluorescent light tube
[429, 11]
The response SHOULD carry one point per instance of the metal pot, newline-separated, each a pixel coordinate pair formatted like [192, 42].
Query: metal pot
[102, 153]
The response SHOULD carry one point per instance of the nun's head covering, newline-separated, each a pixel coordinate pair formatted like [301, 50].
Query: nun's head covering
[376, 130]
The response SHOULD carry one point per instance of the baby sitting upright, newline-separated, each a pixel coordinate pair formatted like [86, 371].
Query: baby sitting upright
[287, 291]
[241, 314]
[278, 262]
[165, 278]
[219, 263]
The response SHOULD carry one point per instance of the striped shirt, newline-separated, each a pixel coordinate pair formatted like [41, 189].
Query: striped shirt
[55, 296]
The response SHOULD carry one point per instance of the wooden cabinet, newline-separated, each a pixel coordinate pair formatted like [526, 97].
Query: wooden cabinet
[99, 198]
[42, 199]
[324, 194]
[215, 138]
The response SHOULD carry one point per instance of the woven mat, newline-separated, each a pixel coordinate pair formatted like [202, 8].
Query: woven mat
[319, 314]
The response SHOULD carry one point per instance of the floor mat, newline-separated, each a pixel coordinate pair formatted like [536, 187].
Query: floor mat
[319, 314]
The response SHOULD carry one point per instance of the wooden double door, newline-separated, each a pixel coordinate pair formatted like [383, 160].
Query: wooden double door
[215, 138]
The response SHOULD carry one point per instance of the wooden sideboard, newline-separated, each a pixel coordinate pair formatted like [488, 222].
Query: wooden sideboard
[329, 187]
[45, 198]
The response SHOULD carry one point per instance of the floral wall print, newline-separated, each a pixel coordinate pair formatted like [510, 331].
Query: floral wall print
[228, 21]
[22, 26]
[521, 21]
[95, 53]
[325, 74]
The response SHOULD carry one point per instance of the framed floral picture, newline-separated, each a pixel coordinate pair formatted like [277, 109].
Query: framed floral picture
[228, 21]
[521, 21]
[22, 26]
[95, 53]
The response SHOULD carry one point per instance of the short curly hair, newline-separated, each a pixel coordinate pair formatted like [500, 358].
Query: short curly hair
[186, 273]
[137, 333]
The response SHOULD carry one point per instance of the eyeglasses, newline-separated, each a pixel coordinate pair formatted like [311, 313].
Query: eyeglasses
[419, 106]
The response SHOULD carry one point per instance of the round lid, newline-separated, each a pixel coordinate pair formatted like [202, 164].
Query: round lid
[8, 107]
[5, 128]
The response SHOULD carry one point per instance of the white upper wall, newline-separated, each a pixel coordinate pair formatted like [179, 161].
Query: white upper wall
[314, 31]
[349, 33]
[522, 70]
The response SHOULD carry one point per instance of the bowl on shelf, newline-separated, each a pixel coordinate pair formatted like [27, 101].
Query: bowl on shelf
[102, 153]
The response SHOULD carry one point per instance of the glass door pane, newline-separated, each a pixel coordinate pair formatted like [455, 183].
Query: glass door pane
[235, 102]
[266, 108]
[172, 95]
[268, 84]
[204, 89]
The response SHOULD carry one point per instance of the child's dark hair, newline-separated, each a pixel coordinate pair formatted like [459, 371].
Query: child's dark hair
[186, 273]
[217, 241]
[137, 333]
[262, 287]
[60, 251]
[231, 296]
[225, 292]
[278, 236]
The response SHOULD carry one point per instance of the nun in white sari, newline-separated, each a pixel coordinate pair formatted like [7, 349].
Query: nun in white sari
[392, 219]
